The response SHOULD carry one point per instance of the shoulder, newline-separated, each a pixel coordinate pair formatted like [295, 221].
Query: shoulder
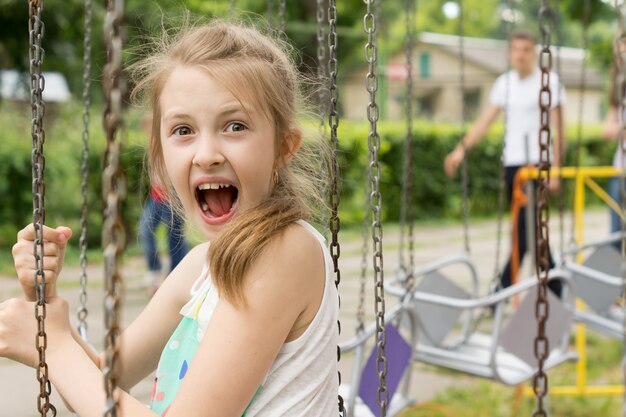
[498, 89]
[181, 279]
[291, 264]
[295, 247]
[501, 80]
[196, 258]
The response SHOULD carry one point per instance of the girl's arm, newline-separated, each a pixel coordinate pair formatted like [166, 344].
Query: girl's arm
[142, 342]
[283, 291]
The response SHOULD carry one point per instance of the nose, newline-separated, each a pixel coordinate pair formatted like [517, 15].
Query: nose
[208, 152]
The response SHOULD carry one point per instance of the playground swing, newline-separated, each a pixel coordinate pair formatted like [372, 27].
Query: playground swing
[438, 304]
[598, 279]
[381, 386]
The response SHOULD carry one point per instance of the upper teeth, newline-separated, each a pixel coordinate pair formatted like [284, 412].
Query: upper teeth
[212, 186]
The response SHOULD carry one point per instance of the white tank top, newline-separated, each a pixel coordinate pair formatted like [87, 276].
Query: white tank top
[302, 381]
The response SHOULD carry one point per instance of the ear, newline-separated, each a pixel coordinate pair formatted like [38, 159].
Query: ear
[291, 143]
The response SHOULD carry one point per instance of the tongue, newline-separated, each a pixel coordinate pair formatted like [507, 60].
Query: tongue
[219, 201]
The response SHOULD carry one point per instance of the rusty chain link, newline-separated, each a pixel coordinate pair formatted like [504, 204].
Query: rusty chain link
[84, 212]
[333, 122]
[464, 167]
[114, 192]
[322, 102]
[371, 82]
[406, 208]
[542, 311]
[322, 97]
[36, 29]
[620, 53]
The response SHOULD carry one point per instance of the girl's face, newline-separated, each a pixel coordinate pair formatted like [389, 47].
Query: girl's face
[219, 157]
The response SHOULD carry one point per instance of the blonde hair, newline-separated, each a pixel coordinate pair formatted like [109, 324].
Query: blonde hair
[258, 71]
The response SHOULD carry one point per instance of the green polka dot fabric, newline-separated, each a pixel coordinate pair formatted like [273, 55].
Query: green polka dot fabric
[175, 361]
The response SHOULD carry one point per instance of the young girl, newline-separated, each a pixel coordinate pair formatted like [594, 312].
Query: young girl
[247, 322]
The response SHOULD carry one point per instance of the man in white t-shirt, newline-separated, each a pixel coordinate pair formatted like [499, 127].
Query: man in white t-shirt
[517, 93]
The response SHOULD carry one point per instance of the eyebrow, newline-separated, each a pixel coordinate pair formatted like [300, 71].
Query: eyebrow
[225, 111]
[236, 107]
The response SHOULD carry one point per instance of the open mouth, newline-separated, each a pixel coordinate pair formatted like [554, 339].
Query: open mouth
[217, 201]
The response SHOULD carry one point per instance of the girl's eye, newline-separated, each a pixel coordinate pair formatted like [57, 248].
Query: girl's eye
[182, 131]
[235, 127]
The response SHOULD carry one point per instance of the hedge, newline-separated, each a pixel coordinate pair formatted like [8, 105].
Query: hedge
[435, 196]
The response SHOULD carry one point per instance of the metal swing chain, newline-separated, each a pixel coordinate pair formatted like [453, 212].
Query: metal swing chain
[407, 197]
[282, 5]
[581, 103]
[496, 283]
[333, 122]
[560, 157]
[464, 173]
[322, 103]
[366, 234]
[322, 98]
[37, 85]
[369, 24]
[620, 39]
[365, 250]
[114, 192]
[541, 344]
[82, 309]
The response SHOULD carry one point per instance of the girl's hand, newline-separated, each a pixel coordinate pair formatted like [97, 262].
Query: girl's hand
[18, 329]
[55, 242]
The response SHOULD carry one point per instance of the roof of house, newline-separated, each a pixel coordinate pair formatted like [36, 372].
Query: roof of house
[491, 54]
[15, 86]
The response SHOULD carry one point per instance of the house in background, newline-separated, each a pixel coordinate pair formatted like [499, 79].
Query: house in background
[436, 81]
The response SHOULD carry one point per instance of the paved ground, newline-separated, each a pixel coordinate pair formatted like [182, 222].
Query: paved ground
[18, 384]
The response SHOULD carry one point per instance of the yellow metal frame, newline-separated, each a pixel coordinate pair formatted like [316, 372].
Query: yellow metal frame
[583, 176]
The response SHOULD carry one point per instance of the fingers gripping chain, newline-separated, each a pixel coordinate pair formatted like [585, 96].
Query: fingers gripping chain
[37, 84]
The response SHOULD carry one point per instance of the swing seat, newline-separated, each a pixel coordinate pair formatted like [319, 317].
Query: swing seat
[398, 403]
[504, 354]
[598, 283]
[359, 395]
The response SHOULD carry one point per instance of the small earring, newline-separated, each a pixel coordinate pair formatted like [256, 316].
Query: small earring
[275, 176]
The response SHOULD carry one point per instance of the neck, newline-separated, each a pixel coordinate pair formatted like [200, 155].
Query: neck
[523, 73]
